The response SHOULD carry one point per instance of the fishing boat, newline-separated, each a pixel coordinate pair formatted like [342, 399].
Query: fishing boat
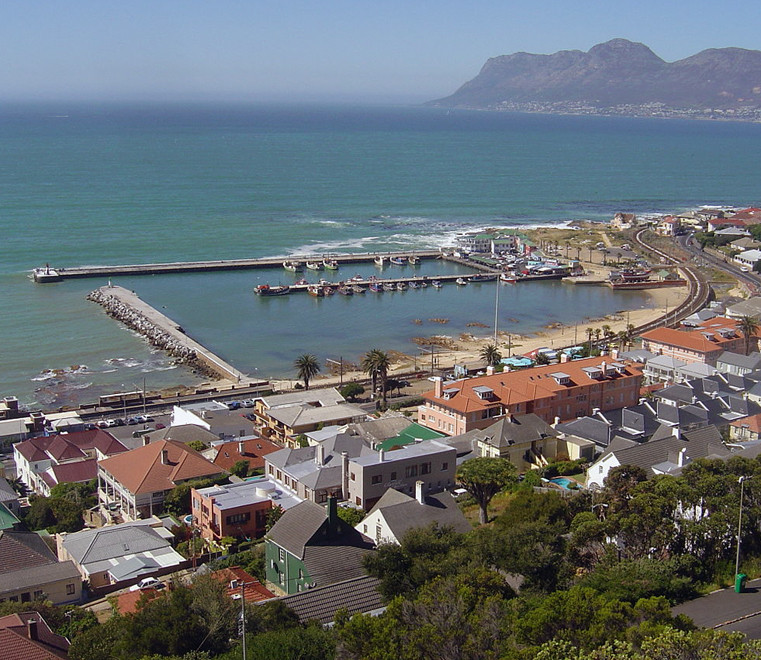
[316, 290]
[507, 277]
[388, 286]
[461, 281]
[413, 260]
[345, 291]
[375, 287]
[436, 284]
[293, 266]
[314, 265]
[379, 261]
[398, 261]
[330, 264]
[413, 285]
[301, 282]
[357, 278]
[423, 285]
[401, 286]
[267, 290]
[482, 277]
[358, 289]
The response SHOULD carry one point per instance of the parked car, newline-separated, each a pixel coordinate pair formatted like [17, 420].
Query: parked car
[159, 425]
[233, 405]
[147, 583]
[248, 403]
[132, 421]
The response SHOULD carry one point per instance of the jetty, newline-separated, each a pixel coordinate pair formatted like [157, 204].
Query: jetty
[78, 272]
[163, 333]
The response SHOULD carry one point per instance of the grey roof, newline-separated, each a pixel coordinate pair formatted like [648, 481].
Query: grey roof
[297, 526]
[695, 370]
[419, 449]
[750, 362]
[307, 414]
[749, 307]
[38, 576]
[336, 561]
[589, 428]
[186, 433]
[378, 430]
[113, 542]
[676, 393]
[320, 397]
[665, 361]
[402, 512]
[7, 494]
[516, 430]
[20, 550]
[358, 595]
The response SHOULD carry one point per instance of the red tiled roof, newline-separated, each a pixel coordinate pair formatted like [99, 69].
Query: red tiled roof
[142, 471]
[255, 591]
[126, 603]
[69, 446]
[753, 214]
[77, 472]
[695, 339]
[19, 646]
[752, 423]
[253, 451]
[514, 387]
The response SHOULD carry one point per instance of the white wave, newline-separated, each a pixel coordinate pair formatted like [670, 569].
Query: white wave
[167, 367]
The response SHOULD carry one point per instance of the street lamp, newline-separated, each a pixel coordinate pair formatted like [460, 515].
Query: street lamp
[740, 481]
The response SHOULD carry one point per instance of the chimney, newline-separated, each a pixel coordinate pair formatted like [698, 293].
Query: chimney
[438, 387]
[38, 422]
[419, 492]
[11, 402]
[344, 475]
[241, 448]
[31, 628]
[331, 511]
[556, 422]
[563, 358]
[677, 432]
[381, 455]
[164, 457]
[604, 368]
[614, 353]
[319, 454]
[146, 440]
[490, 370]
[680, 458]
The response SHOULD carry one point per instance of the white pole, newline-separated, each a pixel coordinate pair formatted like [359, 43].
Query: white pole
[741, 481]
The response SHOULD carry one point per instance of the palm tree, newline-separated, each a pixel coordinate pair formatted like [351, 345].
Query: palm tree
[377, 363]
[598, 332]
[589, 332]
[749, 326]
[307, 368]
[491, 355]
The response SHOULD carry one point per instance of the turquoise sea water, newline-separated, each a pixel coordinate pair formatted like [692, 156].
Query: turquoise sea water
[108, 184]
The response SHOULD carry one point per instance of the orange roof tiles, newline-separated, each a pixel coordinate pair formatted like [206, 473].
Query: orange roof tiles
[753, 423]
[142, 470]
[256, 592]
[696, 339]
[254, 451]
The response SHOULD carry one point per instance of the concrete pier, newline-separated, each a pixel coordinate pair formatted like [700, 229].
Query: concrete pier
[163, 333]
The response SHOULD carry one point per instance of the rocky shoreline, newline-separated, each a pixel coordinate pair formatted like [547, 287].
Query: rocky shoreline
[154, 335]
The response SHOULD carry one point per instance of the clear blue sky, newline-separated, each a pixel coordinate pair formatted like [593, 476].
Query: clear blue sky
[302, 50]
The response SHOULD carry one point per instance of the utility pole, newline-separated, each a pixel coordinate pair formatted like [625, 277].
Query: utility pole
[340, 363]
[243, 615]
[741, 481]
[496, 313]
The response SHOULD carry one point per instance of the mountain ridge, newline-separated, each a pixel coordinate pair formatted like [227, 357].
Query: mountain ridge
[612, 74]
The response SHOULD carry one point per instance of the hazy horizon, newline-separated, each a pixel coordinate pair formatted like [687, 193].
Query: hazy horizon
[343, 51]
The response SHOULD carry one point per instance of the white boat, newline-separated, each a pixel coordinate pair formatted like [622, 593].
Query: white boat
[330, 264]
[379, 260]
[314, 265]
[293, 266]
[414, 260]
[436, 284]
[461, 281]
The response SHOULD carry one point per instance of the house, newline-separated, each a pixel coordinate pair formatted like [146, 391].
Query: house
[216, 418]
[283, 417]
[311, 547]
[395, 513]
[525, 440]
[623, 221]
[737, 363]
[136, 482]
[30, 571]
[705, 343]
[668, 226]
[119, 555]
[566, 391]
[44, 461]
[357, 595]
[27, 636]
[236, 510]
[749, 307]
[746, 429]
[253, 451]
[664, 455]
[9, 497]
[748, 258]
[240, 584]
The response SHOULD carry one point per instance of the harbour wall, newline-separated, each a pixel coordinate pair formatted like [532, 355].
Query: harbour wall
[163, 333]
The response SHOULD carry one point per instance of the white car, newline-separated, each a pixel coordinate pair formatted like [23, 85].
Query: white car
[147, 583]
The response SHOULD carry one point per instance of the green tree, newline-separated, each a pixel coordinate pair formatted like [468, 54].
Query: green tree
[377, 363]
[351, 391]
[240, 468]
[197, 445]
[484, 477]
[350, 515]
[749, 327]
[491, 355]
[273, 515]
[307, 368]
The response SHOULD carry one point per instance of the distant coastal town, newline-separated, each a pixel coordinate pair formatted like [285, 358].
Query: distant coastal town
[358, 498]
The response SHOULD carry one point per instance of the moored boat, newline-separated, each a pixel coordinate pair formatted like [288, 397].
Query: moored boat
[330, 264]
[302, 282]
[436, 284]
[413, 285]
[507, 277]
[375, 287]
[401, 286]
[345, 290]
[293, 266]
[482, 277]
[316, 290]
[357, 278]
[379, 260]
[461, 281]
[358, 289]
[388, 286]
[267, 290]
[414, 260]
[398, 261]
[314, 265]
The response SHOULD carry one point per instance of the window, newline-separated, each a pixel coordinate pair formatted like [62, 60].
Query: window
[26, 597]
[238, 518]
[410, 471]
[39, 594]
[281, 554]
[70, 589]
[377, 478]
[425, 468]
[358, 501]
[444, 466]
[281, 578]
[301, 574]
[393, 476]
[353, 478]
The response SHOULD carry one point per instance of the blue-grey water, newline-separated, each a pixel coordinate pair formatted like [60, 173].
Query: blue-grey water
[135, 184]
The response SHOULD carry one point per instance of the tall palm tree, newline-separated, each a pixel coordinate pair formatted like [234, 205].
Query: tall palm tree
[377, 363]
[749, 326]
[307, 368]
[491, 355]
[589, 332]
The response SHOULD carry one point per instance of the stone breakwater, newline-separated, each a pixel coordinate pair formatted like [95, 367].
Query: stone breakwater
[152, 332]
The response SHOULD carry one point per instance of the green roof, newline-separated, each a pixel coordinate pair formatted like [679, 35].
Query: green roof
[7, 519]
[409, 435]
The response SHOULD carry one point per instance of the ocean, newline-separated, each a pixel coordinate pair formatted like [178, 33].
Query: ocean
[113, 184]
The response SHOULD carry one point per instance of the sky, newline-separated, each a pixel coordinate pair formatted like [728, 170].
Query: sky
[384, 51]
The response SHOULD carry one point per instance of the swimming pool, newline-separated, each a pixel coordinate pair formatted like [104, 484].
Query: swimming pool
[563, 482]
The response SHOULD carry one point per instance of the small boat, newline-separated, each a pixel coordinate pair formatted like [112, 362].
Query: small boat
[436, 284]
[510, 279]
[413, 285]
[461, 281]
[398, 261]
[388, 286]
[376, 288]
[482, 277]
[302, 282]
[357, 278]
[379, 261]
[423, 284]
[414, 260]
[293, 266]
[358, 289]
[316, 290]
[314, 265]
[345, 290]
[330, 264]
[267, 290]
[401, 286]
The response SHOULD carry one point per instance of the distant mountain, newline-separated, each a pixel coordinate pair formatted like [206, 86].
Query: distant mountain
[615, 74]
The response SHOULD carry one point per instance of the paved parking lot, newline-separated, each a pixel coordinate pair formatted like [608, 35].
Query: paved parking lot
[727, 610]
